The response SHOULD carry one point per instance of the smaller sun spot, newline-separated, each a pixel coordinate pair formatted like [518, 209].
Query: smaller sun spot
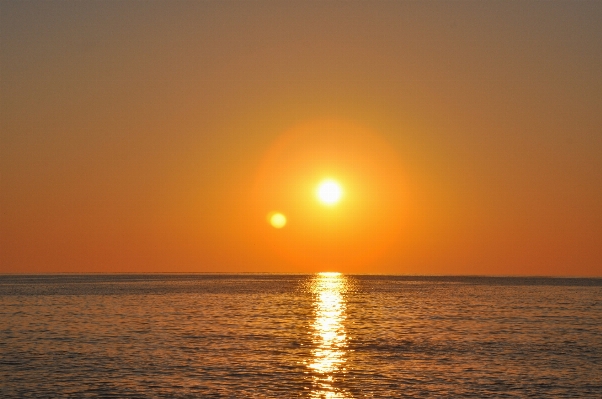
[277, 220]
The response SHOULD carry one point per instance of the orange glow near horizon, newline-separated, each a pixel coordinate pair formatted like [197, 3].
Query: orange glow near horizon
[357, 215]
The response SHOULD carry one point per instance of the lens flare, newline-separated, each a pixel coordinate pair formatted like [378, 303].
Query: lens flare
[277, 220]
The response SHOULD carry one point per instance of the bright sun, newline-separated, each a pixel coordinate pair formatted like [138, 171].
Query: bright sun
[329, 192]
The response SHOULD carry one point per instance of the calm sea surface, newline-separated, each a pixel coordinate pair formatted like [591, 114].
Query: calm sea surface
[322, 336]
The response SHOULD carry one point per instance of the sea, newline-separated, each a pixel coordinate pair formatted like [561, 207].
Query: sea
[326, 335]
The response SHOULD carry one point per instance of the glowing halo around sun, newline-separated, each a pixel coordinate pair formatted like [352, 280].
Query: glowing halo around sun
[277, 220]
[343, 186]
[329, 192]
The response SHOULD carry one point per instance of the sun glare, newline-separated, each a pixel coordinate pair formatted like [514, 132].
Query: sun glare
[329, 192]
[329, 336]
[340, 191]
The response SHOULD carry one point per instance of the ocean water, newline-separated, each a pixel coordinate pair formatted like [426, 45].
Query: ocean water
[314, 336]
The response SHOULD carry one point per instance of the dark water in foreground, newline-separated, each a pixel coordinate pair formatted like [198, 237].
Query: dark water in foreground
[328, 335]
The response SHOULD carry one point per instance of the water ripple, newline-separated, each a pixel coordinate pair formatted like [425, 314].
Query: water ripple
[326, 336]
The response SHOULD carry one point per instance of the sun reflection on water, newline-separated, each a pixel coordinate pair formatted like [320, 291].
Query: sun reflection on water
[329, 337]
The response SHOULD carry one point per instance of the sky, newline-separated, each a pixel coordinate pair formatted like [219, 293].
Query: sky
[159, 136]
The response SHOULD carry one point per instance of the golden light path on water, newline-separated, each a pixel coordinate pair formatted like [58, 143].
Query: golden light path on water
[329, 336]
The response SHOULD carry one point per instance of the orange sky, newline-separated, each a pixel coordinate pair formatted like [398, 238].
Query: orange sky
[157, 136]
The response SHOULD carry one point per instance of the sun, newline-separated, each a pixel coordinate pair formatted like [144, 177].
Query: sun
[329, 192]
